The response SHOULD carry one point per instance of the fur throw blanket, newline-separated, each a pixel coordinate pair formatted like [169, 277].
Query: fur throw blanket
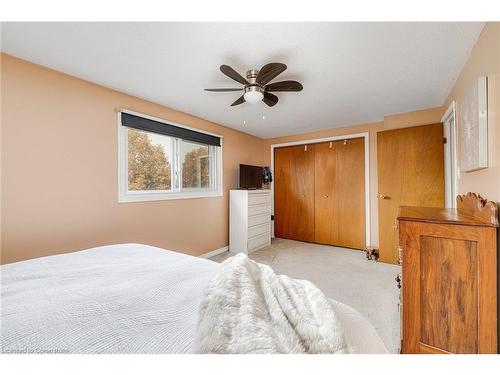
[247, 308]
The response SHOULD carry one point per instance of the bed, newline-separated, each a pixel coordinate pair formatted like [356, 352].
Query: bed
[126, 298]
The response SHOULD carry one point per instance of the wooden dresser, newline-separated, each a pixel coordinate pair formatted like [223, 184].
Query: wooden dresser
[450, 277]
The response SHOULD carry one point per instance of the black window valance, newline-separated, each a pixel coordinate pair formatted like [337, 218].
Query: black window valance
[141, 123]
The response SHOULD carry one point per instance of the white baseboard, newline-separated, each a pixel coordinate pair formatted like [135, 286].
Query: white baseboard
[214, 252]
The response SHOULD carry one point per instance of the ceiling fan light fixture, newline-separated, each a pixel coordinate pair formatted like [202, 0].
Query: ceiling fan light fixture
[256, 87]
[253, 94]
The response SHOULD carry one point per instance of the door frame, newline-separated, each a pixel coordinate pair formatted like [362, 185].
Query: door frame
[366, 136]
[450, 156]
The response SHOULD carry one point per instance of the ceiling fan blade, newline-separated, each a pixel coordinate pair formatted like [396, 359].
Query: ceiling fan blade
[238, 101]
[223, 90]
[285, 86]
[270, 99]
[269, 72]
[231, 73]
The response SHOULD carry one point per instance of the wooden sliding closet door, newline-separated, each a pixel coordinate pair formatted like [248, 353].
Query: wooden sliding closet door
[350, 193]
[340, 193]
[324, 204]
[294, 192]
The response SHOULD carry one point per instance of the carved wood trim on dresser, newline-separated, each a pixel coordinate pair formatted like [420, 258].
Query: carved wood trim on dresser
[450, 277]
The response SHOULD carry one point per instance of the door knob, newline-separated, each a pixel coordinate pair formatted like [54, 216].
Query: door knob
[325, 196]
[400, 254]
[383, 196]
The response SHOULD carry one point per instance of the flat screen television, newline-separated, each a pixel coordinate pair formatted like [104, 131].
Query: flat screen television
[251, 177]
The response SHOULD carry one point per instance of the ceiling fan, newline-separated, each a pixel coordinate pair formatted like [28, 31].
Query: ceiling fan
[256, 85]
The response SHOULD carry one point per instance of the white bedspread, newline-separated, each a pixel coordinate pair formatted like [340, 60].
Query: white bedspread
[114, 299]
[126, 298]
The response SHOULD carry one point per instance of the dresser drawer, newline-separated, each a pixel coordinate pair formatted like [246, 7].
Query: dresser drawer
[259, 209]
[259, 219]
[258, 198]
[259, 229]
[259, 241]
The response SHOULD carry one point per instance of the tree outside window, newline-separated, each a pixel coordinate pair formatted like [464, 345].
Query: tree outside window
[195, 165]
[148, 164]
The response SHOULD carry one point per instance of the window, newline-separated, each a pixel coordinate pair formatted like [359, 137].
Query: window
[195, 165]
[160, 160]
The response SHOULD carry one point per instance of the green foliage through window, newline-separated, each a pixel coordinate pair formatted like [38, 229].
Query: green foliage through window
[195, 165]
[148, 165]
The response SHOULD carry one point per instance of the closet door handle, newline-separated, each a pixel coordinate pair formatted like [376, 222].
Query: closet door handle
[325, 196]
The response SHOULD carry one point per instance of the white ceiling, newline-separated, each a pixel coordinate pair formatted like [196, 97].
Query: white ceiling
[352, 72]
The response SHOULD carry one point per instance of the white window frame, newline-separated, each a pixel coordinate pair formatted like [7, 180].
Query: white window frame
[125, 196]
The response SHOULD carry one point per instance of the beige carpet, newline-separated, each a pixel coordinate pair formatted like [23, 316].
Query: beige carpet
[342, 274]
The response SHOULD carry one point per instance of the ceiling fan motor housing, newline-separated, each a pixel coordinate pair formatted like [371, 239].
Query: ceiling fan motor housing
[252, 79]
[255, 87]
[252, 75]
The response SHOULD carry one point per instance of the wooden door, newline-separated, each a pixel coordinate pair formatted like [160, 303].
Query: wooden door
[340, 193]
[349, 194]
[324, 181]
[410, 173]
[294, 192]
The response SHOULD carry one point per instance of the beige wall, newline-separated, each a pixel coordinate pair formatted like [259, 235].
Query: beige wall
[59, 171]
[483, 61]
[428, 116]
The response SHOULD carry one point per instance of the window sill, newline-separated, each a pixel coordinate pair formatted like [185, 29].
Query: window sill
[148, 197]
